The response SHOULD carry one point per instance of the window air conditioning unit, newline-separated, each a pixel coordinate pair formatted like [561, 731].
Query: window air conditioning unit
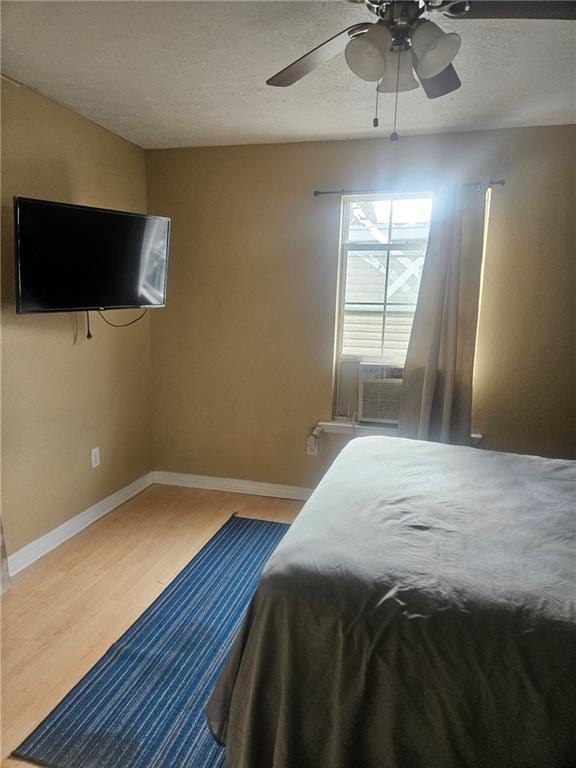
[379, 393]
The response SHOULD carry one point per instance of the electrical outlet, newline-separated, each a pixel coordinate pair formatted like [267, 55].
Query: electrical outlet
[312, 446]
[95, 457]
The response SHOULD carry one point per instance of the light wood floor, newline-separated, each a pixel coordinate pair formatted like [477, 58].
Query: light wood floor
[64, 612]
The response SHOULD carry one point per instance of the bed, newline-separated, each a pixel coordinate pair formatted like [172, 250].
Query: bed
[420, 613]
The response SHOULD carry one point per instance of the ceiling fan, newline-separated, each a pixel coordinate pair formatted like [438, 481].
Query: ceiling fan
[402, 43]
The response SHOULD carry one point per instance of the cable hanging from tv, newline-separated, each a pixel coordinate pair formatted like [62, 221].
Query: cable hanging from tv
[123, 325]
[109, 322]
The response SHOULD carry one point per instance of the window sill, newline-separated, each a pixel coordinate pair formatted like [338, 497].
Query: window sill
[359, 429]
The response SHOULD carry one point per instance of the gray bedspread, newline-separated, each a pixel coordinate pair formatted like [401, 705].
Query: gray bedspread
[420, 613]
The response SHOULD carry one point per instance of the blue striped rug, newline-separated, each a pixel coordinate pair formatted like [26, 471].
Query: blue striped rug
[142, 704]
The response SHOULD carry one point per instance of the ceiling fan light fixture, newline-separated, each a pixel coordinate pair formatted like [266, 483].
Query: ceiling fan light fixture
[434, 49]
[403, 78]
[366, 53]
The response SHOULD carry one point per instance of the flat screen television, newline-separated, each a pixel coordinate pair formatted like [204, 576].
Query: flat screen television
[73, 257]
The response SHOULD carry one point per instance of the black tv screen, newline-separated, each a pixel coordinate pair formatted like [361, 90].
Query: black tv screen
[73, 257]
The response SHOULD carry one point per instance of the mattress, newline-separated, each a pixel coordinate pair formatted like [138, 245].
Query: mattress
[420, 613]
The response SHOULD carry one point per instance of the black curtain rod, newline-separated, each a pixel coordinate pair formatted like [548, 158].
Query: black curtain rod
[321, 192]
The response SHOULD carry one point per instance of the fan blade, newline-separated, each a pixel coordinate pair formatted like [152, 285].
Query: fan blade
[323, 52]
[512, 9]
[446, 82]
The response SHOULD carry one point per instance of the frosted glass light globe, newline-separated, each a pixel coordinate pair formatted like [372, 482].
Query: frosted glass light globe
[366, 54]
[404, 78]
[434, 49]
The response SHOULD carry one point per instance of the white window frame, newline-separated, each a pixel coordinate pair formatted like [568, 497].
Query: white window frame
[344, 248]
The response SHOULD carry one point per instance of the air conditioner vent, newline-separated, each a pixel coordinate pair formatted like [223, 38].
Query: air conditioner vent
[379, 393]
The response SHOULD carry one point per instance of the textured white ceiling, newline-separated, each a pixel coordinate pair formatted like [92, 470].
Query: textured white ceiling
[173, 74]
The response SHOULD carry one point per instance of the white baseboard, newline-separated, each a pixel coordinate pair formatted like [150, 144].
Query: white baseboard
[40, 547]
[250, 487]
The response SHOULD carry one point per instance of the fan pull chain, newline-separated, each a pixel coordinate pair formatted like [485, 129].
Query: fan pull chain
[394, 135]
[376, 122]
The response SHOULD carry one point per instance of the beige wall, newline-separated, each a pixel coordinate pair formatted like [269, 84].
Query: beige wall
[63, 394]
[242, 355]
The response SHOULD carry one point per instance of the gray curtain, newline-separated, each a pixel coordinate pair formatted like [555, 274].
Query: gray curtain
[437, 388]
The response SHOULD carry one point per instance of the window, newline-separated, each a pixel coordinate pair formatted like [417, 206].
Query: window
[384, 239]
[383, 249]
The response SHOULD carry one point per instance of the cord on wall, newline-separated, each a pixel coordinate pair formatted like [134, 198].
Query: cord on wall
[109, 322]
[122, 325]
